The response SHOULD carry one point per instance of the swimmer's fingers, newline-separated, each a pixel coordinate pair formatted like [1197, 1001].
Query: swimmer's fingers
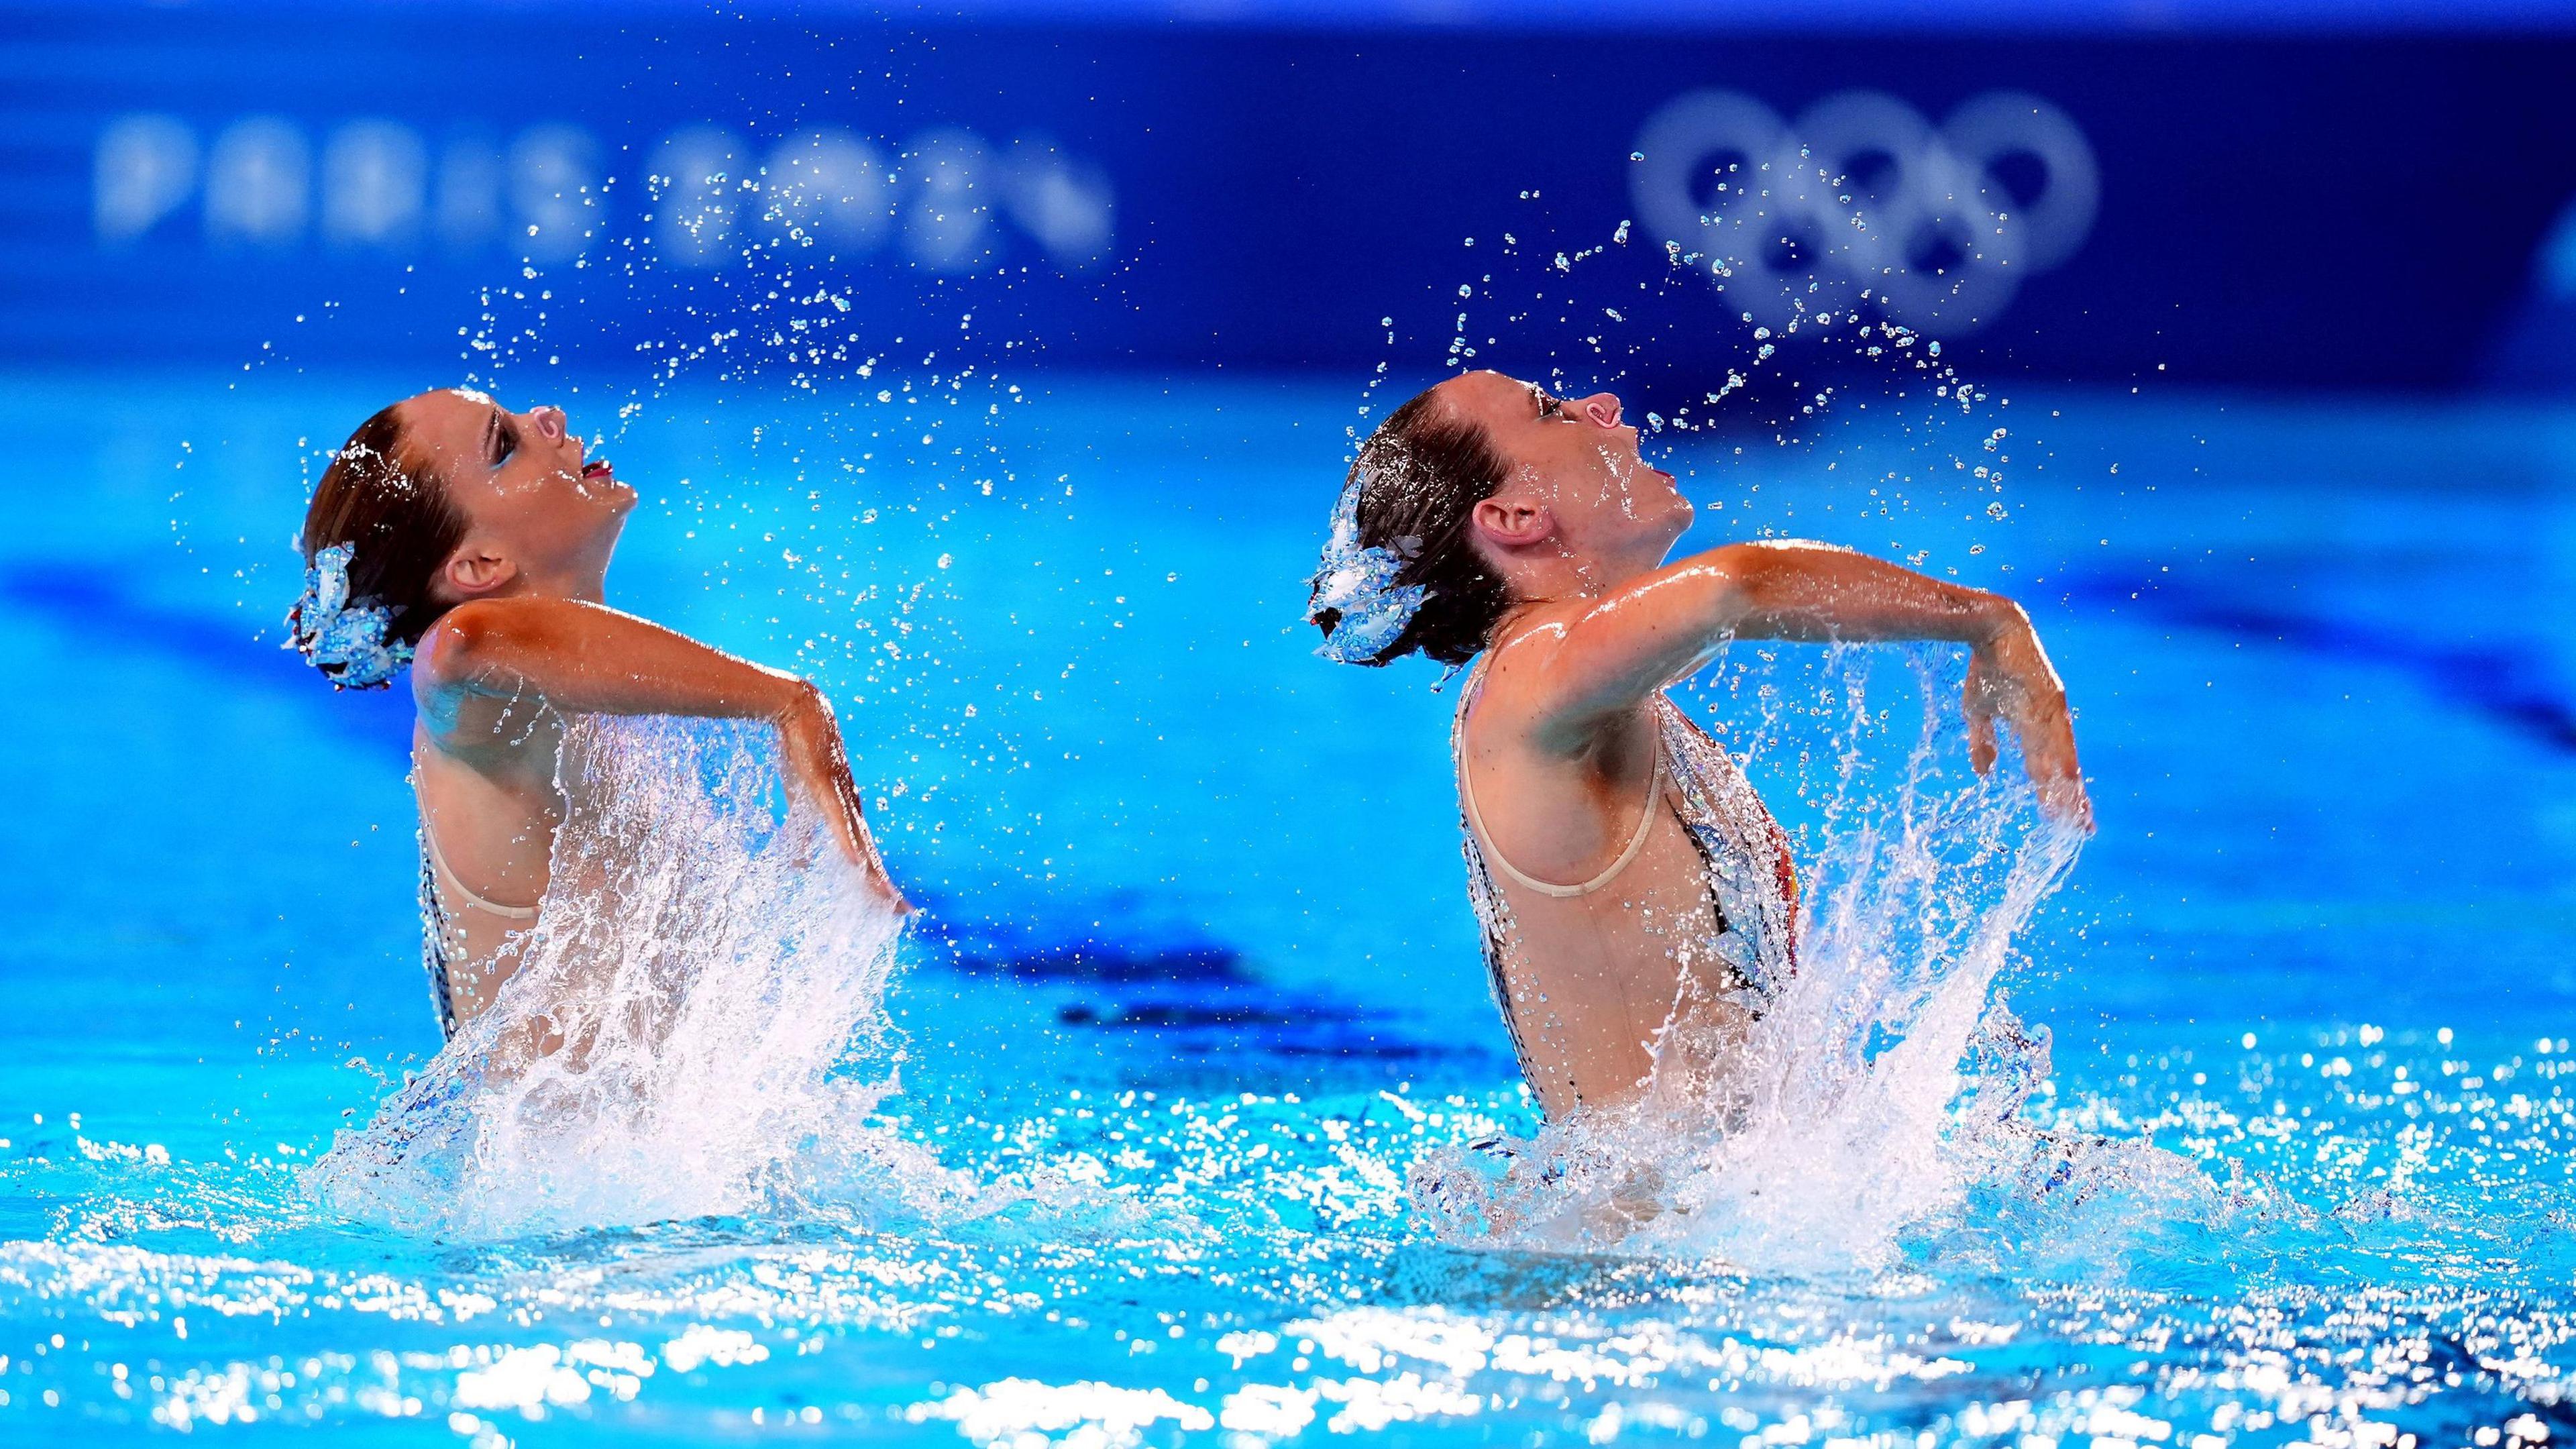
[850, 825]
[838, 799]
[810, 739]
[873, 865]
[2012, 678]
[2047, 732]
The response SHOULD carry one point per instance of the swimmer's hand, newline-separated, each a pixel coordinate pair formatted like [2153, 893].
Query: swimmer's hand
[2009, 676]
[809, 741]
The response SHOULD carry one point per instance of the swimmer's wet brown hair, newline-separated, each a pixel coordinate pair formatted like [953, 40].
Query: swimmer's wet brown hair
[1420, 475]
[393, 509]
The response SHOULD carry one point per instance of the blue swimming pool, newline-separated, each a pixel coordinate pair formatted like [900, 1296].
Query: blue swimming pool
[1198, 985]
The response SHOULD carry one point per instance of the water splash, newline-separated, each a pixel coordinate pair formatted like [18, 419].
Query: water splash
[1886, 1081]
[1835, 416]
[696, 1027]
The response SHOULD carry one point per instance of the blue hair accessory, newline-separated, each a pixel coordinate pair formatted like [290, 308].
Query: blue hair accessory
[343, 637]
[1360, 583]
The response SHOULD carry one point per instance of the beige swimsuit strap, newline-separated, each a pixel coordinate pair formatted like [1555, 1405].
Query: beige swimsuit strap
[1467, 793]
[438, 862]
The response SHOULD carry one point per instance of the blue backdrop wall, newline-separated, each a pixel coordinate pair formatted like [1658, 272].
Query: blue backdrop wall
[2254, 206]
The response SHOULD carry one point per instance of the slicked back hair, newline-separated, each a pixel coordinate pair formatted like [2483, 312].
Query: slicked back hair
[395, 513]
[1420, 476]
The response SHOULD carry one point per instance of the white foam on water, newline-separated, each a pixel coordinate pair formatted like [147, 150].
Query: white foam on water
[696, 1028]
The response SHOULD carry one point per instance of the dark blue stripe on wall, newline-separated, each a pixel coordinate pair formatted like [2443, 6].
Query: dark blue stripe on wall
[83, 602]
[2504, 685]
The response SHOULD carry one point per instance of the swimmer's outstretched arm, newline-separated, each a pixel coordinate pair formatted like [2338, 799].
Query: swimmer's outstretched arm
[1664, 625]
[585, 658]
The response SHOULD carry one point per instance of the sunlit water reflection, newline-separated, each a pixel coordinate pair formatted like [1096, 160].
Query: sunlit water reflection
[2371, 1242]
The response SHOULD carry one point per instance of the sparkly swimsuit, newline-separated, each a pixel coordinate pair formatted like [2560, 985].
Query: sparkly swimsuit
[1743, 853]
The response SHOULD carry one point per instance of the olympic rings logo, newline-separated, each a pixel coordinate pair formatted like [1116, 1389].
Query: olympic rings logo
[1937, 226]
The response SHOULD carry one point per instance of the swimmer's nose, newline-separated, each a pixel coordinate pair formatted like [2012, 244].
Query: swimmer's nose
[1602, 408]
[549, 421]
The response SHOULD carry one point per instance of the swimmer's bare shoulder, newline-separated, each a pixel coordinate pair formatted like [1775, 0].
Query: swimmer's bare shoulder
[1552, 790]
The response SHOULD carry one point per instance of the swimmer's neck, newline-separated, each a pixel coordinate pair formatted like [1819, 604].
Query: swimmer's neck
[580, 585]
[584, 580]
[494, 567]
[1565, 575]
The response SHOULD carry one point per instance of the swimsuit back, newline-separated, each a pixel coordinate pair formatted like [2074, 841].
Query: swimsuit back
[457, 926]
[1746, 930]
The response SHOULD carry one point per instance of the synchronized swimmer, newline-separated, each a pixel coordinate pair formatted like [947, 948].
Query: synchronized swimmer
[1638, 901]
[472, 543]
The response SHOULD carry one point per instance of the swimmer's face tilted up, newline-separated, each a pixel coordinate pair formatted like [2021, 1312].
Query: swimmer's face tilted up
[1638, 901]
[1575, 475]
[471, 544]
[539, 510]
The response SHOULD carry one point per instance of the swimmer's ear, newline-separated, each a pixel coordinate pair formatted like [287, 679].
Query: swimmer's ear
[475, 573]
[1513, 522]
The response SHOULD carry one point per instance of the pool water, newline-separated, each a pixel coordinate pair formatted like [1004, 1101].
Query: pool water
[1197, 986]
